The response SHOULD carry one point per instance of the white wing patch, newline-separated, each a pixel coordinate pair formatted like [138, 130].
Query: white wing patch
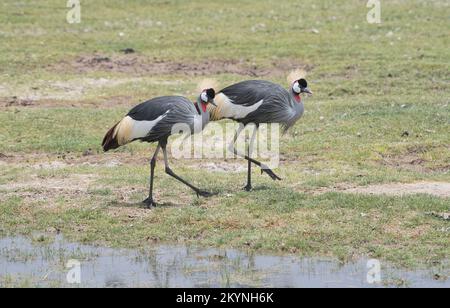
[226, 108]
[142, 128]
[129, 129]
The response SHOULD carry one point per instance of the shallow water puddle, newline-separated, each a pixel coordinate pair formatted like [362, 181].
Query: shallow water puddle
[23, 263]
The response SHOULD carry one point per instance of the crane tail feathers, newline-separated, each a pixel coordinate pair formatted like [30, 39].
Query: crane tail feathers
[118, 135]
[110, 141]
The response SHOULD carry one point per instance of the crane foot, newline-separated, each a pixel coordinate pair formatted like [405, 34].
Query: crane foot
[149, 203]
[205, 194]
[248, 187]
[270, 173]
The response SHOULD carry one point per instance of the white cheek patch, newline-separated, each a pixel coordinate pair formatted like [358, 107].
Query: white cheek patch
[296, 87]
[204, 97]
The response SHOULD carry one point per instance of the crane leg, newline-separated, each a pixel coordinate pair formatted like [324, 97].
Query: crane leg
[169, 171]
[149, 201]
[263, 167]
[249, 187]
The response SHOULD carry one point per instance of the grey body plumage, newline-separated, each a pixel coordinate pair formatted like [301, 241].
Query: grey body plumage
[154, 121]
[257, 102]
[278, 105]
[176, 110]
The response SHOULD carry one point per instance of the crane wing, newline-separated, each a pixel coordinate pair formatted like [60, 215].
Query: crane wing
[239, 100]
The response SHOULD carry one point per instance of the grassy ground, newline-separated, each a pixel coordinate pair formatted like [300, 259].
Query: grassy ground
[380, 115]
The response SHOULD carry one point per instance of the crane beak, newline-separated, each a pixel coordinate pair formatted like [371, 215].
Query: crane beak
[212, 103]
[307, 90]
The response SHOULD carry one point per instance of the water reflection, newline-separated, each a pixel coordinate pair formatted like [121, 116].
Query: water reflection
[23, 263]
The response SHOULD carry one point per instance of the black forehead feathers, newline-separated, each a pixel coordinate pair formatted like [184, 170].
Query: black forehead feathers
[211, 93]
[302, 82]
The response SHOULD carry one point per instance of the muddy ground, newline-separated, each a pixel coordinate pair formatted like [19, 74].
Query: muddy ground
[41, 161]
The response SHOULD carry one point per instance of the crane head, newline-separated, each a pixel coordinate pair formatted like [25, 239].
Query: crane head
[301, 86]
[208, 96]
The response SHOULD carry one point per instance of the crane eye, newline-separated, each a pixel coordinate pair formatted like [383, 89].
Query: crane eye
[204, 97]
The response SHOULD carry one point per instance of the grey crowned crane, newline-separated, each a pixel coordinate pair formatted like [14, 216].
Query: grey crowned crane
[257, 102]
[153, 120]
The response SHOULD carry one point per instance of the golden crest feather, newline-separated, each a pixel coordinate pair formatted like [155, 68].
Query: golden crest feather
[296, 75]
[207, 84]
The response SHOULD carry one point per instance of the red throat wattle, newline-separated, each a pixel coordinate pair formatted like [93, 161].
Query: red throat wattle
[298, 98]
[203, 107]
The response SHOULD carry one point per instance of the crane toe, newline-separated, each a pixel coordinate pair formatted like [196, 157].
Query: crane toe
[205, 194]
[149, 203]
[248, 188]
[270, 173]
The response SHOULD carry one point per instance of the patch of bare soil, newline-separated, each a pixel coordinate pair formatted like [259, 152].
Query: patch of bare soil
[444, 216]
[79, 190]
[324, 190]
[60, 161]
[223, 167]
[110, 160]
[73, 188]
[48, 191]
[76, 182]
[110, 102]
[406, 162]
[141, 65]
[15, 102]
[4, 156]
[439, 189]
[412, 160]
[44, 93]
[4, 159]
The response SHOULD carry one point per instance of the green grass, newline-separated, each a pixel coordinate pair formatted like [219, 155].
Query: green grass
[372, 84]
[273, 218]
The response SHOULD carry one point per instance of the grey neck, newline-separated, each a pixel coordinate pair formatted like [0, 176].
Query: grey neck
[295, 98]
[205, 115]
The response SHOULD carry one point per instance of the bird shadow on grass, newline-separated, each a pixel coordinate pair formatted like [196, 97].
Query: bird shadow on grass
[242, 190]
[261, 188]
[141, 205]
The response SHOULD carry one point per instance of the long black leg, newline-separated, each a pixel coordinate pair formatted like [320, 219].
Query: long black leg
[149, 201]
[169, 171]
[263, 167]
[248, 187]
